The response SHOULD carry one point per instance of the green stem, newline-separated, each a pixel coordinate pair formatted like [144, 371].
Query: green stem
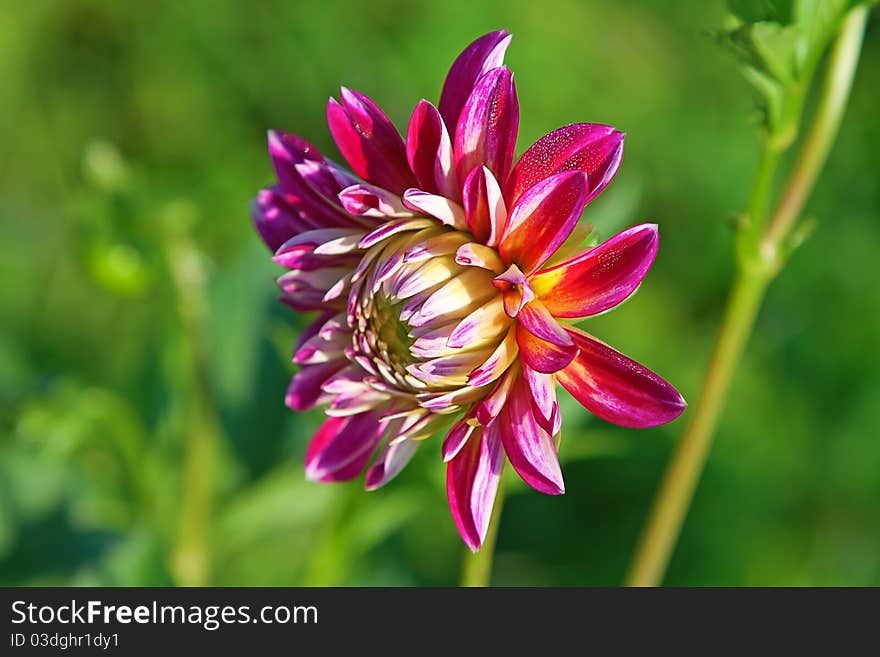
[823, 132]
[680, 481]
[756, 268]
[477, 567]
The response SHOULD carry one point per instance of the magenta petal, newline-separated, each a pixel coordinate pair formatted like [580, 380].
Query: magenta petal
[448, 212]
[456, 438]
[481, 56]
[429, 152]
[342, 446]
[542, 355]
[589, 147]
[598, 279]
[617, 388]
[546, 408]
[389, 463]
[370, 201]
[487, 127]
[471, 483]
[484, 207]
[490, 407]
[540, 323]
[368, 141]
[304, 390]
[528, 446]
[312, 194]
[542, 220]
[276, 221]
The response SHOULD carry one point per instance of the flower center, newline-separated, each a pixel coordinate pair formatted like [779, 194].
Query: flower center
[393, 337]
[422, 322]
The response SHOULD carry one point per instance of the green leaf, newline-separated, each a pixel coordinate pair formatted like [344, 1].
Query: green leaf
[779, 45]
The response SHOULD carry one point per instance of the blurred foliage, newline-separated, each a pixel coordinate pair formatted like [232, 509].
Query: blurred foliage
[143, 357]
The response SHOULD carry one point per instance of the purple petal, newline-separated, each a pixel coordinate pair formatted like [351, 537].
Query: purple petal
[617, 388]
[528, 446]
[471, 484]
[487, 127]
[542, 220]
[368, 141]
[342, 446]
[276, 220]
[304, 258]
[478, 58]
[304, 390]
[589, 147]
[314, 195]
[600, 278]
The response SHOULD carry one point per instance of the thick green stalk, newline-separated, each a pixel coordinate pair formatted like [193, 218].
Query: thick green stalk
[680, 481]
[476, 568]
[758, 262]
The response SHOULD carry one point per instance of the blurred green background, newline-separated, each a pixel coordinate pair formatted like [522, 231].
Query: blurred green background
[143, 357]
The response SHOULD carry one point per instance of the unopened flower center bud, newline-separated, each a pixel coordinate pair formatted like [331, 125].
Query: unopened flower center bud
[423, 323]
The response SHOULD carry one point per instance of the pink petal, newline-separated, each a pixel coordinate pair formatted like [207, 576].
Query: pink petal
[589, 147]
[542, 220]
[342, 446]
[498, 362]
[484, 207]
[487, 127]
[617, 388]
[477, 255]
[448, 212]
[368, 141]
[535, 318]
[481, 56]
[429, 152]
[490, 407]
[471, 484]
[544, 404]
[598, 279]
[528, 446]
[370, 201]
[456, 438]
[389, 463]
[541, 355]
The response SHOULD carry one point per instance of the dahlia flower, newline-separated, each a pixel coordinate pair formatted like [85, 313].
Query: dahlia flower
[445, 279]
